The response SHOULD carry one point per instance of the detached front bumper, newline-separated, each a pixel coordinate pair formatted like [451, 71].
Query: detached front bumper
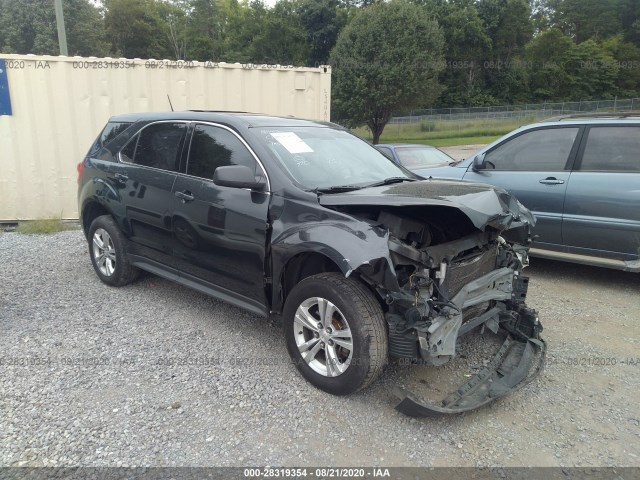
[517, 362]
[511, 368]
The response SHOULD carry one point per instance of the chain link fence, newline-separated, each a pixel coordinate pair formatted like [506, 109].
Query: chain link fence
[536, 110]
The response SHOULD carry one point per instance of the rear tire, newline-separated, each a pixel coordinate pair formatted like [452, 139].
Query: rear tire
[108, 254]
[335, 333]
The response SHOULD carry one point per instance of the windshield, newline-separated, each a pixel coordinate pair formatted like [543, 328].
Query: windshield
[322, 158]
[420, 157]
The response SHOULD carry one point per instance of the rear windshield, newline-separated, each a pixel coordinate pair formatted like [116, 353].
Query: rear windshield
[419, 157]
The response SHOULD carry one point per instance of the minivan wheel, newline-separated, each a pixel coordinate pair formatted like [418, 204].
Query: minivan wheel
[335, 333]
[107, 251]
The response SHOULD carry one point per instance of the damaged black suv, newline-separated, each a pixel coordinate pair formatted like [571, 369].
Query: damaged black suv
[363, 259]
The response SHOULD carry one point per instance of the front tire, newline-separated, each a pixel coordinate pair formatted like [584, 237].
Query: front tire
[108, 254]
[335, 333]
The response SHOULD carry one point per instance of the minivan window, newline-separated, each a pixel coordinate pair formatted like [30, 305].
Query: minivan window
[539, 150]
[158, 145]
[213, 147]
[614, 149]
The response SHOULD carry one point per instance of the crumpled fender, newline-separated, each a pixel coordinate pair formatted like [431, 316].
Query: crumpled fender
[352, 246]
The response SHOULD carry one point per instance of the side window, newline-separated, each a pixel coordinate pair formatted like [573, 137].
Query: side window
[539, 150]
[213, 147]
[158, 145]
[112, 130]
[612, 149]
[109, 132]
[129, 149]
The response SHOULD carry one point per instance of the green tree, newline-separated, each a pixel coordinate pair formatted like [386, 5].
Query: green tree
[136, 29]
[593, 71]
[508, 23]
[322, 20]
[386, 59]
[510, 27]
[282, 38]
[562, 70]
[258, 34]
[585, 19]
[629, 15]
[541, 14]
[29, 26]
[229, 26]
[627, 57]
[204, 30]
[546, 55]
[174, 22]
[467, 48]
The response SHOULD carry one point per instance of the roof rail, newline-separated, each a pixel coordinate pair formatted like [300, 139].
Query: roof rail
[574, 116]
[216, 111]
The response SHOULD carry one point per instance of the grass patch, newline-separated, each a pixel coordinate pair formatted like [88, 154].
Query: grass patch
[43, 226]
[444, 133]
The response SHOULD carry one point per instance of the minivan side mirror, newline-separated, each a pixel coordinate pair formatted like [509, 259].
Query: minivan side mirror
[478, 163]
[238, 176]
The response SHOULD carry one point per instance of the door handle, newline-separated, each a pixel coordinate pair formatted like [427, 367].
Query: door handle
[185, 196]
[122, 177]
[551, 181]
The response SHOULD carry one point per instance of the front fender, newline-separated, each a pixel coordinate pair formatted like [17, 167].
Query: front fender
[352, 245]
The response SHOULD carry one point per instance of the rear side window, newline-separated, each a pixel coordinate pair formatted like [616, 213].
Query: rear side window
[612, 149]
[109, 132]
[213, 147]
[158, 145]
[538, 150]
[112, 130]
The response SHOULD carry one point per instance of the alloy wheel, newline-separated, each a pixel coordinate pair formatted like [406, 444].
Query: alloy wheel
[323, 337]
[104, 253]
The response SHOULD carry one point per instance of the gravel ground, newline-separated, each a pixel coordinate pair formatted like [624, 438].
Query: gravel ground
[155, 374]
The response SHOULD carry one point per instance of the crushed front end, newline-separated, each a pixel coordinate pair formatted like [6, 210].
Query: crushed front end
[453, 258]
[447, 289]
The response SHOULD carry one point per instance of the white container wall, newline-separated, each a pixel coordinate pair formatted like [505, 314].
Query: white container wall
[59, 105]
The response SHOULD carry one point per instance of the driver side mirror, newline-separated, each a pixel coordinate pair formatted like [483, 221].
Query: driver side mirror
[478, 163]
[238, 176]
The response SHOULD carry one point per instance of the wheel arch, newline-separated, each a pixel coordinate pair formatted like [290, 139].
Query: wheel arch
[299, 267]
[90, 211]
[306, 264]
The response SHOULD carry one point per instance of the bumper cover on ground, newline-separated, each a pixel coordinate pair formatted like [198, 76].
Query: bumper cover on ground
[511, 368]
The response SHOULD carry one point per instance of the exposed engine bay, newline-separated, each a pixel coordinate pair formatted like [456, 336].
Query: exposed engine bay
[445, 258]
[454, 278]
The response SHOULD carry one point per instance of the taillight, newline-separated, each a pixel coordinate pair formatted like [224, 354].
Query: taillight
[80, 170]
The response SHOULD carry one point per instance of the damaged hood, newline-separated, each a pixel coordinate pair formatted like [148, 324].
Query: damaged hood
[485, 205]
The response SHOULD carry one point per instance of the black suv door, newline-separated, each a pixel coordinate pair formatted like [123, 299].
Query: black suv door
[220, 232]
[150, 161]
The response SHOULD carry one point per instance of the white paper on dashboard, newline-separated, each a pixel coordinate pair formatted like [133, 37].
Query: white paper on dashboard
[292, 142]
